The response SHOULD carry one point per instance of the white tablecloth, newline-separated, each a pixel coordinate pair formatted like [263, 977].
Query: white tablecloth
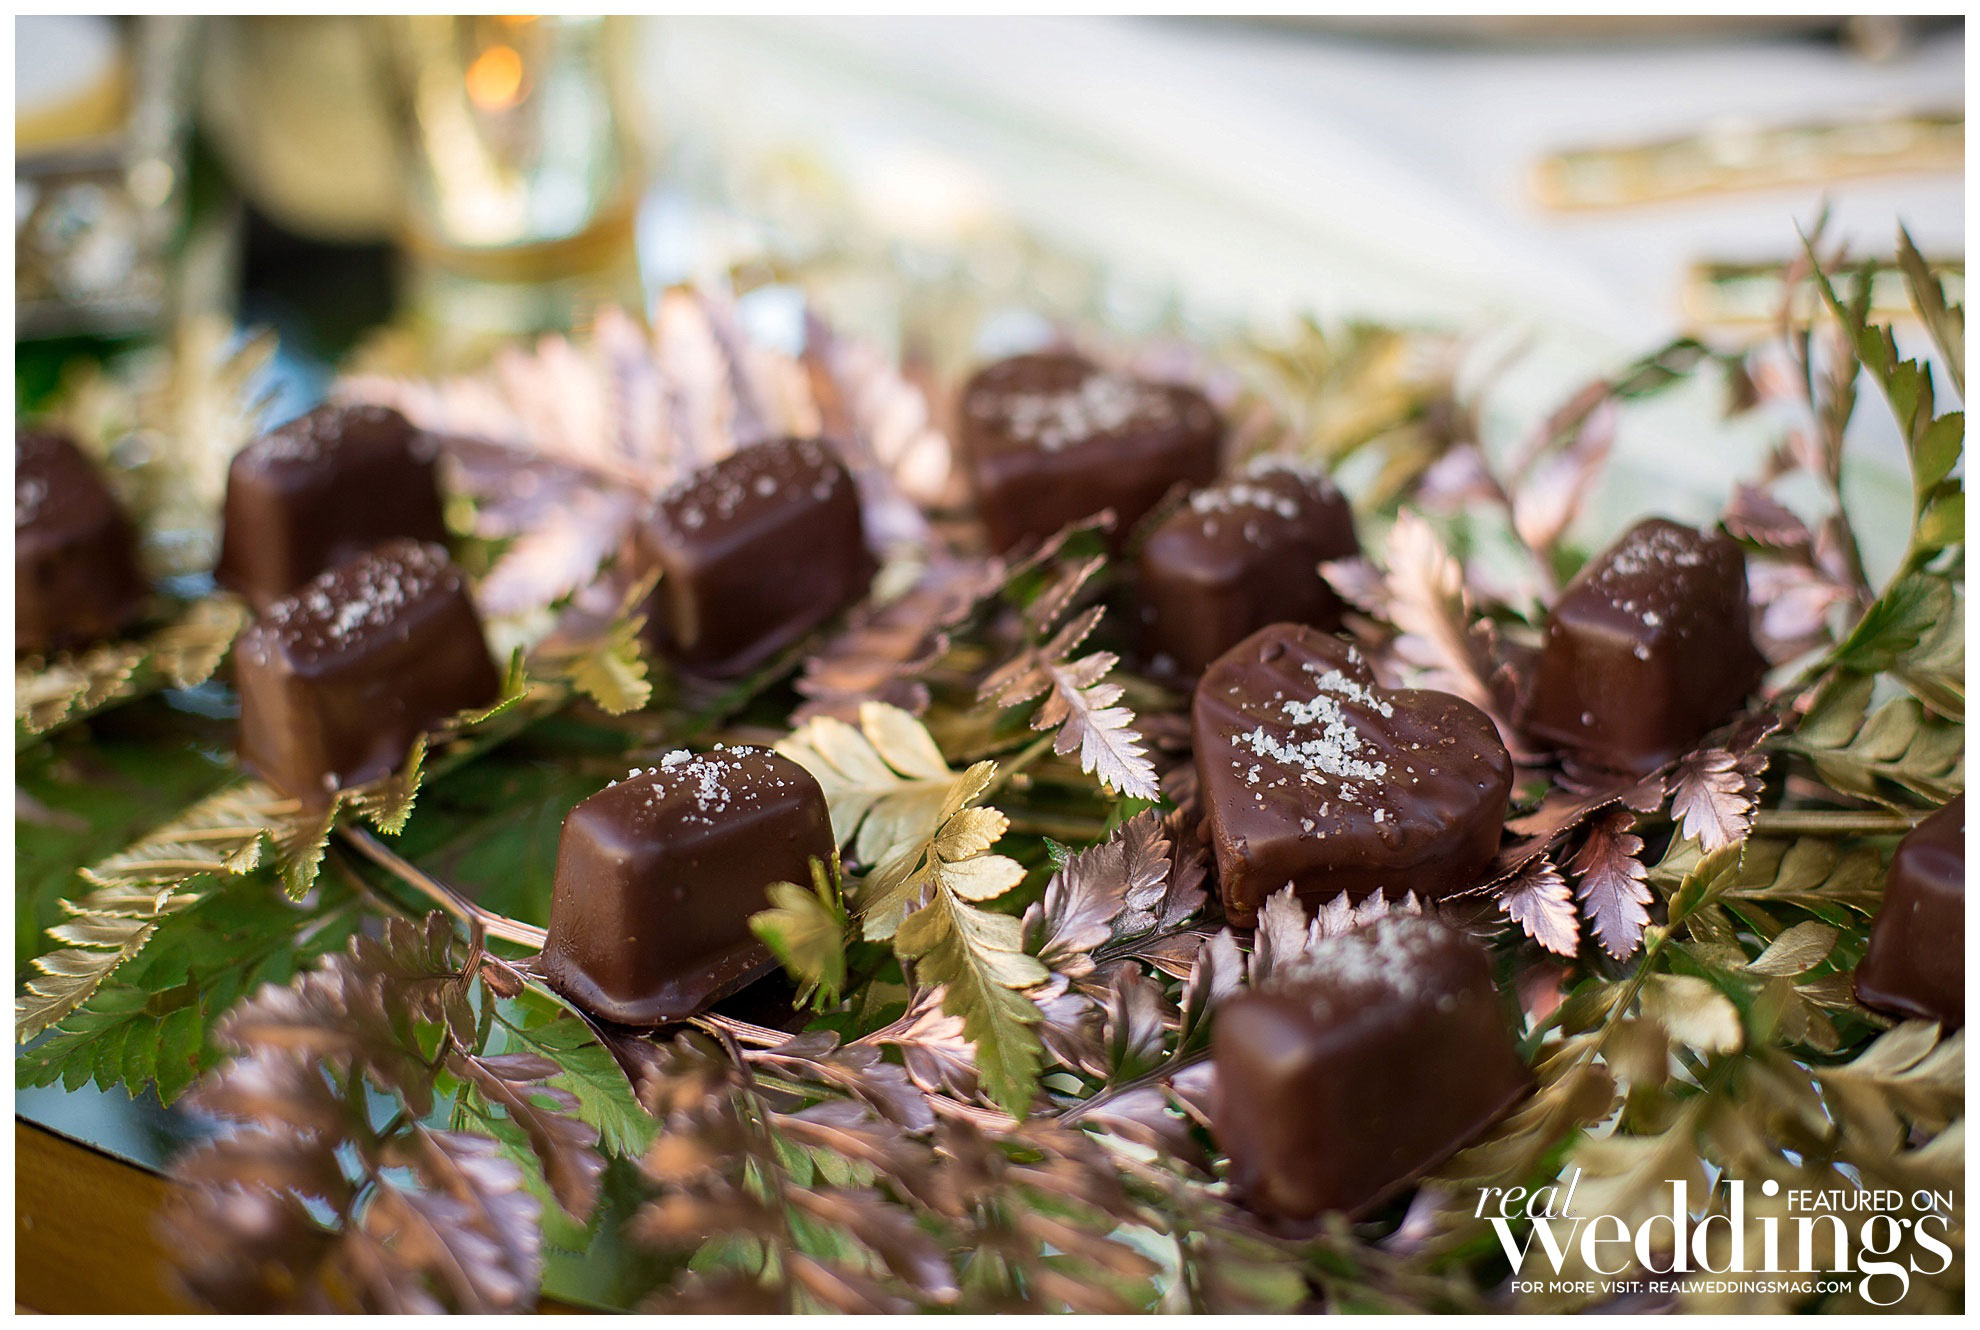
[1259, 173]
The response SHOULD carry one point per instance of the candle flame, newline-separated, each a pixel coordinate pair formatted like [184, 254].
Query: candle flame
[495, 79]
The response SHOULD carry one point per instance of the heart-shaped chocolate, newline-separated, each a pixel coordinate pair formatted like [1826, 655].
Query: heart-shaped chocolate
[1314, 774]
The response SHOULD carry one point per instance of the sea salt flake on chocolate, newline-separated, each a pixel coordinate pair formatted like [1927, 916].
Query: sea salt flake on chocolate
[1205, 584]
[1052, 438]
[1300, 758]
[337, 681]
[1646, 650]
[76, 578]
[1362, 1063]
[753, 553]
[327, 485]
[658, 875]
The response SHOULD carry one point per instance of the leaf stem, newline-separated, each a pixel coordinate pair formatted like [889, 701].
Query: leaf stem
[1153, 1076]
[742, 1032]
[448, 899]
[1031, 752]
[1818, 822]
[1066, 830]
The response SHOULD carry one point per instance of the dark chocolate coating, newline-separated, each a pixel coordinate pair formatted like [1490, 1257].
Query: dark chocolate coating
[658, 874]
[326, 486]
[1315, 775]
[1052, 438]
[1381, 1055]
[76, 577]
[1239, 556]
[754, 552]
[1647, 649]
[1915, 965]
[338, 680]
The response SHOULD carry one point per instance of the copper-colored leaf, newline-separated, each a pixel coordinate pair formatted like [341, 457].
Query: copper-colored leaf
[1754, 514]
[885, 646]
[1442, 633]
[1079, 703]
[1537, 899]
[1714, 794]
[565, 1146]
[1609, 882]
[1085, 901]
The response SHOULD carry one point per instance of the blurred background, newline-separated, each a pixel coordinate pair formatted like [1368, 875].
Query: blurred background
[436, 183]
[1557, 195]
[404, 194]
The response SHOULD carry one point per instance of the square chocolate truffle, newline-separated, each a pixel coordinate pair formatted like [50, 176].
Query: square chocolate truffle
[338, 679]
[1315, 775]
[754, 552]
[1649, 647]
[1239, 556]
[1052, 438]
[1915, 965]
[76, 578]
[1381, 1054]
[328, 485]
[658, 874]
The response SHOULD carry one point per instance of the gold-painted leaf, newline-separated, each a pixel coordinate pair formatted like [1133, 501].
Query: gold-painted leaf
[978, 960]
[806, 931]
[1861, 751]
[52, 693]
[67, 978]
[1693, 1012]
[921, 895]
[104, 929]
[982, 878]
[300, 846]
[615, 679]
[1796, 950]
[614, 675]
[885, 782]
[905, 878]
[1812, 872]
[903, 743]
[970, 832]
[222, 833]
[1912, 1076]
[388, 802]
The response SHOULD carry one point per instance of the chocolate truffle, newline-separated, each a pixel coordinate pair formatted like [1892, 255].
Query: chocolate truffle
[658, 874]
[1052, 438]
[1315, 775]
[338, 679]
[76, 578]
[1915, 965]
[1376, 1058]
[312, 493]
[1239, 556]
[1647, 649]
[753, 552]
